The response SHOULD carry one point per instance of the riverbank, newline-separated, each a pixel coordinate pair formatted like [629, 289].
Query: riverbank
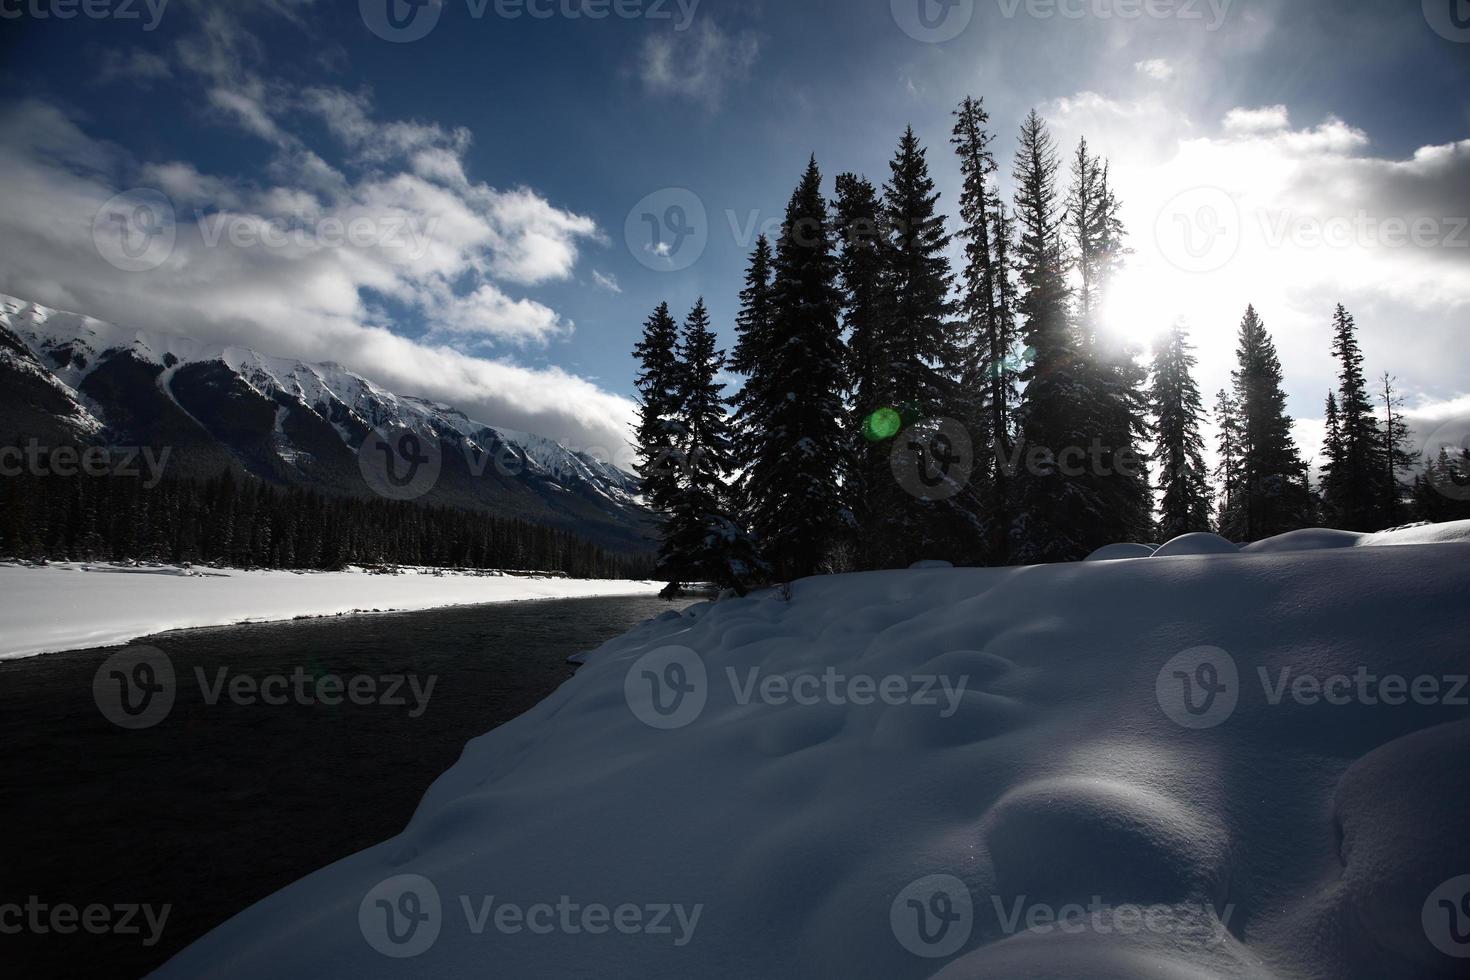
[230, 798]
[81, 605]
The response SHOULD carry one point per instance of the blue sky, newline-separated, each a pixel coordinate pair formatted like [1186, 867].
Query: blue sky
[524, 144]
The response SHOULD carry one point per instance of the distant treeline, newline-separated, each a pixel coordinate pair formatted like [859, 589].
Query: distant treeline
[249, 524]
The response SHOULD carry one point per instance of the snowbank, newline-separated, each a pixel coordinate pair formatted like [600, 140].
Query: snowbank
[68, 606]
[1219, 766]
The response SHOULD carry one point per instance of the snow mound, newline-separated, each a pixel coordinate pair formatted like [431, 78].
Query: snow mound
[1309, 539]
[1102, 770]
[1199, 543]
[1121, 552]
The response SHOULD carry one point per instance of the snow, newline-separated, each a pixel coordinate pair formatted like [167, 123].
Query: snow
[1121, 552]
[1058, 805]
[1199, 543]
[71, 606]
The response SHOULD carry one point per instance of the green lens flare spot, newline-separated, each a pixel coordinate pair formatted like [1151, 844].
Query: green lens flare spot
[882, 425]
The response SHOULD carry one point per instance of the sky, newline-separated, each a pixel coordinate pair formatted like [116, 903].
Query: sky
[480, 201]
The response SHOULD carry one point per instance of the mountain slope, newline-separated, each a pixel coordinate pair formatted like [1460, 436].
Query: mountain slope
[68, 378]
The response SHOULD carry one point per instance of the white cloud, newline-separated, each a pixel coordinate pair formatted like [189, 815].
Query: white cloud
[1159, 69]
[608, 281]
[1263, 120]
[699, 64]
[143, 68]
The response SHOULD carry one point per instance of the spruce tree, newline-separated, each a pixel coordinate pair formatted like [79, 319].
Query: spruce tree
[1185, 505]
[862, 274]
[988, 368]
[1054, 508]
[1113, 384]
[791, 438]
[1358, 489]
[1398, 456]
[755, 330]
[1332, 459]
[1227, 472]
[657, 433]
[703, 540]
[923, 362]
[1271, 495]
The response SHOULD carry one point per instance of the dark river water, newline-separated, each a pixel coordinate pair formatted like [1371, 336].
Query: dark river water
[219, 805]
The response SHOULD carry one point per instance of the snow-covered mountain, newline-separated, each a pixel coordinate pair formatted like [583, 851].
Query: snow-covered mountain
[69, 376]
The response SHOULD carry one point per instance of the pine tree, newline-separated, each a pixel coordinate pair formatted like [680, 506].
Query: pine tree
[703, 541]
[1397, 455]
[1054, 508]
[1113, 385]
[1332, 459]
[1177, 407]
[755, 330]
[1356, 493]
[658, 435]
[791, 439]
[866, 309]
[922, 356]
[1227, 472]
[1271, 495]
[988, 367]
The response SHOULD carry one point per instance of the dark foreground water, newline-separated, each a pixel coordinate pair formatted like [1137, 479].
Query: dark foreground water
[219, 805]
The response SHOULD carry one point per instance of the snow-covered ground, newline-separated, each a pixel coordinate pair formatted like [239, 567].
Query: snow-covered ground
[1207, 765]
[70, 606]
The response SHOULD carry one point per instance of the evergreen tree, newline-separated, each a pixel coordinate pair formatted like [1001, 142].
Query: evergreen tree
[1356, 494]
[1113, 385]
[1397, 455]
[1227, 472]
[791, 439]
[1332, 458]
[1177, 407]
[862, 268]
[1054, 507]
[988, 368]
[703, 542]
[1269, 481]
[658, 433]
[922, 359]
[755, 330]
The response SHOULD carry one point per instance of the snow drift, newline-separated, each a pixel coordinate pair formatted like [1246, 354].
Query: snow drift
[1202, 766]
